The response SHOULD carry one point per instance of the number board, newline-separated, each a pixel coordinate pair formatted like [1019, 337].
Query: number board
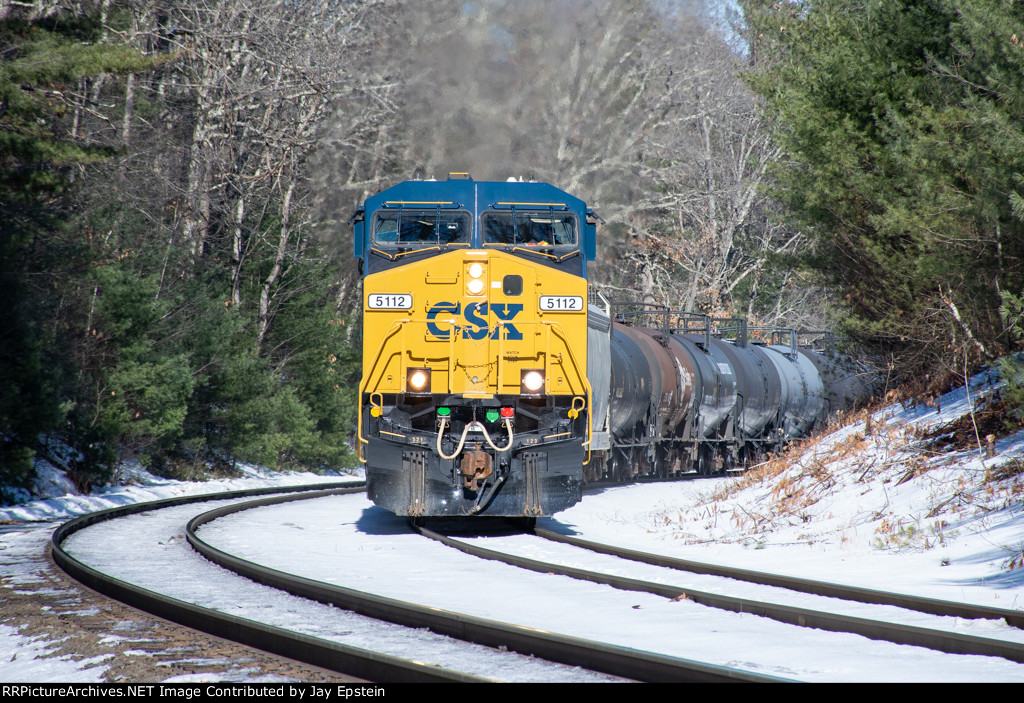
[561, 303]
[389, 301]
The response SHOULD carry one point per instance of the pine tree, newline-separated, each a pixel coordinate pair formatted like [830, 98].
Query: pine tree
[903, 127]
[41, 59]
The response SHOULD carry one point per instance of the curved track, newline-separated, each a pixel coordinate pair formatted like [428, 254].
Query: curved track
[610, 659]
[362, 663]
[613, 659]
[793, 583]
[939, 640]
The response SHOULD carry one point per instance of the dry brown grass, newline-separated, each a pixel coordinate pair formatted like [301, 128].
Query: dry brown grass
[788, 488]
[1016, 560]
[991, 417]
[1007, 470]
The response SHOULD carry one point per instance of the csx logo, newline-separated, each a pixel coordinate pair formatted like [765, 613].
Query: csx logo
[476, 315]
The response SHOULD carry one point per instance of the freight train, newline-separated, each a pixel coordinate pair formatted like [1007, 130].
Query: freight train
[491, 384]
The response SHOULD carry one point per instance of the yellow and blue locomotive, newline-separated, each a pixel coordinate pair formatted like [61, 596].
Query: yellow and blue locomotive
[474, 396]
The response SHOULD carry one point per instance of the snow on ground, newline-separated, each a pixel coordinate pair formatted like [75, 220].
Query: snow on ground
[879, 503]
[24, 659]
[347, 541]
[876, 504]
[153, 544]
[57, 499]
[25, 531]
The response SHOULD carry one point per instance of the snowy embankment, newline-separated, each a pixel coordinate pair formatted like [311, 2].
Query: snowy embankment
[910, 499]
[57, 498]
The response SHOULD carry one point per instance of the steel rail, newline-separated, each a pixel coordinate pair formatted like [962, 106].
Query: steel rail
[931, 606]
[353, 661]
[618, 661]
[939, 640]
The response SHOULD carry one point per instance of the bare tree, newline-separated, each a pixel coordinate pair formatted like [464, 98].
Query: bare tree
[260, 77]
[706, 161]
[638, 110]
[559, 91]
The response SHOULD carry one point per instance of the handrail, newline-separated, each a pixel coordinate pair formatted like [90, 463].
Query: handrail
[395, 326]
[557, 329]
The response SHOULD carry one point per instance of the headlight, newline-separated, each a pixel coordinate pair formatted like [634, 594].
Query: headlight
[532, 382]
[475, 278]
[417, 381]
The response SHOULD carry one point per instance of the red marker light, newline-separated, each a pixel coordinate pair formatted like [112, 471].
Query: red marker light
[508, 412]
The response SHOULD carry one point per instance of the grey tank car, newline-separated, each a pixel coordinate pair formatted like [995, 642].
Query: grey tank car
[675, 392]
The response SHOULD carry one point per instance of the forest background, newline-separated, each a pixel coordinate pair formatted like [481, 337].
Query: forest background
[176, 278]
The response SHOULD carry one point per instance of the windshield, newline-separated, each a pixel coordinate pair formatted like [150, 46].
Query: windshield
[530, 229]
[420, 227]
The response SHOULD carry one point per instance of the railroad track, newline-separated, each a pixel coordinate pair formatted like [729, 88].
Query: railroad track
[615, 660]
[354, 661]
[939, 640]
[821, 588]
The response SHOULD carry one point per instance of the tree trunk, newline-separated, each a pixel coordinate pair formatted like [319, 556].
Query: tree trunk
[282, 246]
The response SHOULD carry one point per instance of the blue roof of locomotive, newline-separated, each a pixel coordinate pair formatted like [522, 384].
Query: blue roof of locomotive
[476, 197]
